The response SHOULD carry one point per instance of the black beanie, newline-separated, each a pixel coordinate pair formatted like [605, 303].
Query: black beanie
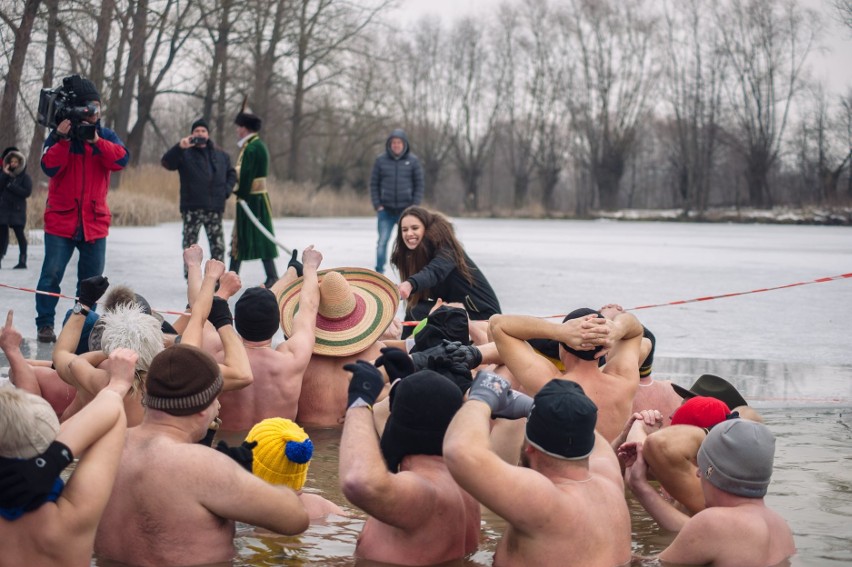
[200, 122]
[256, 315]
[85, 90]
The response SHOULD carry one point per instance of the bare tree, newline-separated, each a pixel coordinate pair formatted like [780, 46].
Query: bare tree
[843, 9]
[766, 44]
[37, 140]
[614, 81]
[694, 72]
[9, 103]
[477, 85]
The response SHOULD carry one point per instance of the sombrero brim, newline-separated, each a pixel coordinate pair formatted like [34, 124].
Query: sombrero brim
[377, 300]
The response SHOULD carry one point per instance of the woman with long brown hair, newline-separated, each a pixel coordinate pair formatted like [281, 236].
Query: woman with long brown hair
[432, 264]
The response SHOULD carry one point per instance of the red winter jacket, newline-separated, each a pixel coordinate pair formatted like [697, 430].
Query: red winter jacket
[79, 181]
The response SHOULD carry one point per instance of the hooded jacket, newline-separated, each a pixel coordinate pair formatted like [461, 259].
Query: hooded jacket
[396, 181]
[14, 191]
[79, 181]
[206, 176]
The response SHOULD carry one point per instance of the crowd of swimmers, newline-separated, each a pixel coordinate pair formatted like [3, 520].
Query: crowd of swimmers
[547, 424]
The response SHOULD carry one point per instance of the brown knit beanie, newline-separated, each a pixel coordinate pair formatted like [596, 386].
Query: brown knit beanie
[182, 380]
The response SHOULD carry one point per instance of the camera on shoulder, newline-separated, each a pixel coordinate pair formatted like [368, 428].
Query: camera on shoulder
[62, 103]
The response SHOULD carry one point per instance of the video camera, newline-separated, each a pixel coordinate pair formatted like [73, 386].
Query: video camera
[61, 103]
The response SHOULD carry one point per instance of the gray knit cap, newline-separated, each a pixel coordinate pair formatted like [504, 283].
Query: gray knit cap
[736, 456]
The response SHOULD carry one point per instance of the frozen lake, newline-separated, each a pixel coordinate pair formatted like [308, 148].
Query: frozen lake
[787, 350]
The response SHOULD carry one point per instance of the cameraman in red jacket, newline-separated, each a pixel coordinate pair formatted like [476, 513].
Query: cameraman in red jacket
[79, 155]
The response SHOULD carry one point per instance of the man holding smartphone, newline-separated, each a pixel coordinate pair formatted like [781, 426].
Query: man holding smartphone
[206, 181]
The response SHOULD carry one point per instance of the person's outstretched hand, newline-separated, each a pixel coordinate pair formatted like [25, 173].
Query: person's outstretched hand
[366, 384]
[295, 263]
[229, 284]
[396, 361]
[311, 257]
[193, 255]
[92, 289]
[10, 337]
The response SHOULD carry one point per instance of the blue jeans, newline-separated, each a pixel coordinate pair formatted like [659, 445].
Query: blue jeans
[387, 223]
[57, 254]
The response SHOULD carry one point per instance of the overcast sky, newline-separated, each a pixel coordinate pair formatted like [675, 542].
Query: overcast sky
[834, 67]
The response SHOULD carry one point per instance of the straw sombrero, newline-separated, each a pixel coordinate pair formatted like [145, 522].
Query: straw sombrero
[356, 306]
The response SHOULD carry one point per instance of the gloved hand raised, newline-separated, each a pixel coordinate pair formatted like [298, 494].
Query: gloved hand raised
[92, 289]
[396, 361]
[469, 354]
[242, 453]
[23, 481]
[496, 391]
[458, 372]
[220, 313]
[366, 384]
[295, 263]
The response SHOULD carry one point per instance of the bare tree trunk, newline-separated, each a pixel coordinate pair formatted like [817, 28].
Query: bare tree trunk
[9, 104]
[46, 81]
[135, 61]
[97, 74]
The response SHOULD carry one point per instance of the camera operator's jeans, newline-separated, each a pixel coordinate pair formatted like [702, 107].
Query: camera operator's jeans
[387, 223]
[57, 254]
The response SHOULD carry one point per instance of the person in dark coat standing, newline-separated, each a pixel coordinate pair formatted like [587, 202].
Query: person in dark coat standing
[206, 181]
[395, 184]
[15, 187]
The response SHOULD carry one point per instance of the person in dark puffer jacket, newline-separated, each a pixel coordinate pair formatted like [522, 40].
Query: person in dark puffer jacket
[206, 181]
[395, 184]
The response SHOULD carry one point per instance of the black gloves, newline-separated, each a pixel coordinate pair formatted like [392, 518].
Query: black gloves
[241, 453]
[92, 289]
[220, 313]
[469, 355]
[297, 265]
[366, 384]
[29, 481]
[457, 372]
[397, 363]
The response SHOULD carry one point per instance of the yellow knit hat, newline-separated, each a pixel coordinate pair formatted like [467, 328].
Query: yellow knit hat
[283, 452]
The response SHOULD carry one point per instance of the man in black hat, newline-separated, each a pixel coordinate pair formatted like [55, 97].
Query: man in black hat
[247, 241]
[206, 181]
[418, 514]
[565, 503]
[76, 215]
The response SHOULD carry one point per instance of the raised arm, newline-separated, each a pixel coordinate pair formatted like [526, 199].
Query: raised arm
[21, 373]
[623, 358]
[97, 433]
[670, 454]
[666, 515]
[300, 344]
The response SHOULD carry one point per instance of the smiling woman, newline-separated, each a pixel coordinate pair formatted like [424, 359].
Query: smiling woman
[433, 265]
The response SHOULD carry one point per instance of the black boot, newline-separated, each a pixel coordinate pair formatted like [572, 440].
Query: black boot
[271, 273]
[22, 263]
[235, 266]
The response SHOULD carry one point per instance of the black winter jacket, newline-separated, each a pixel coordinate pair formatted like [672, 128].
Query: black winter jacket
[206, 176]
[14, 191]
[396, 181]
[443, 280]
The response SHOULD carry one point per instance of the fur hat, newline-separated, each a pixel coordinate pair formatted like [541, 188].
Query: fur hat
[28, 424]
[421, 409]
[562, 421]
[256, 315]
[249, 121]
[182, 380]
[737, 456]
[283, 452]
[129, 327]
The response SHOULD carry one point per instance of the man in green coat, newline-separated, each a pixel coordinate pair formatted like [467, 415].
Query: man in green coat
[248, 241]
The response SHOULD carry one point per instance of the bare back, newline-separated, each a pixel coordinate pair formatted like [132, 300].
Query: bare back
[273, 393]
[154, 516]
[657, 395]
[613, 394]
[325, 387]
[450, 532]
[589, 523]
[40, 534]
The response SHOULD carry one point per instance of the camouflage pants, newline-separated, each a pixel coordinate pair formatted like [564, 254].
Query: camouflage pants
[212, 222]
